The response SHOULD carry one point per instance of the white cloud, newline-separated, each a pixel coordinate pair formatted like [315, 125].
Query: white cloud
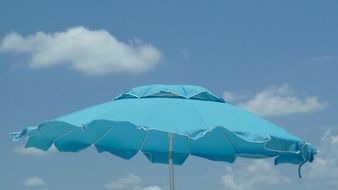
[334, 140]
[229, 96]
[131, 182]
[34, 181]
[155, 187]
[255, 176]
[32, 151]
[87, 51]
[323, 172]
[281, 100]
[125, 182]
[234, 97]
[321, 59]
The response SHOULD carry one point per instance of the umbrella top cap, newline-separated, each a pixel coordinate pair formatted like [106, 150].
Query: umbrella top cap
[171, 91]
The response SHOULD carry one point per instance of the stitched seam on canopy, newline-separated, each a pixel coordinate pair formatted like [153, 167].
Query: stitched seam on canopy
[150, 111]
[64, 134]
[46, 129]
[257, 155]
[144, 140]
[200, 91]
[104, 135]
[189, 145]
[141, 148]
[53, 140]
[184, 91]
[199, 114]
[275, 150]
[239, 116]
[232, 145]
[148, 129]
[144, 92]
[38, 131]
[109, 110]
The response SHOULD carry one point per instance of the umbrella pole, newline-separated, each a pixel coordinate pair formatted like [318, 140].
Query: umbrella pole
[171, 165]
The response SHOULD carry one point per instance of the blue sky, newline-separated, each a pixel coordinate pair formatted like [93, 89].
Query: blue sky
[285, 53]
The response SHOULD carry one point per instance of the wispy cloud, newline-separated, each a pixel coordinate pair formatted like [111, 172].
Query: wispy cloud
[321, 59]
[122, 183]
[131, 182]
[255, 176]
[34, 181]
[234, 96]
[280, 100]
[32, 151]
[152, 188]
[89, 51]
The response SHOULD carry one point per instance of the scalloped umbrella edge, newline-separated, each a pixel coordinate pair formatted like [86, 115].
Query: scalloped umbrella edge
[215, 130]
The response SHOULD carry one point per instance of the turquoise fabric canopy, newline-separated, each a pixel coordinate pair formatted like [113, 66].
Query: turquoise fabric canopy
[140, 120]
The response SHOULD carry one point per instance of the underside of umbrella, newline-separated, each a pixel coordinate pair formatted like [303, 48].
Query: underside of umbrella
[169, 121]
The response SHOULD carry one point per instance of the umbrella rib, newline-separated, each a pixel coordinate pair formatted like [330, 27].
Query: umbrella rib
[39, 131]
[189, 144]
[185, 92]
[232, 145]
[144, 140]
[64, 134]
[149, 88]
[100, 115]
[104, 135]
[141, 147]
[199, 114]
[48, 128]
[149, 113]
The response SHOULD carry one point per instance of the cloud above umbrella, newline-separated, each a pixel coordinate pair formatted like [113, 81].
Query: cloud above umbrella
[93, 52]
[276, 101]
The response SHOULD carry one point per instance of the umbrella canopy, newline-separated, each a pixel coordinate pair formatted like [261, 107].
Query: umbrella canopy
[197, 122]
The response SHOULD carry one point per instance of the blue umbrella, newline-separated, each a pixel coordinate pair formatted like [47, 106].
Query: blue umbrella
[167, 123]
